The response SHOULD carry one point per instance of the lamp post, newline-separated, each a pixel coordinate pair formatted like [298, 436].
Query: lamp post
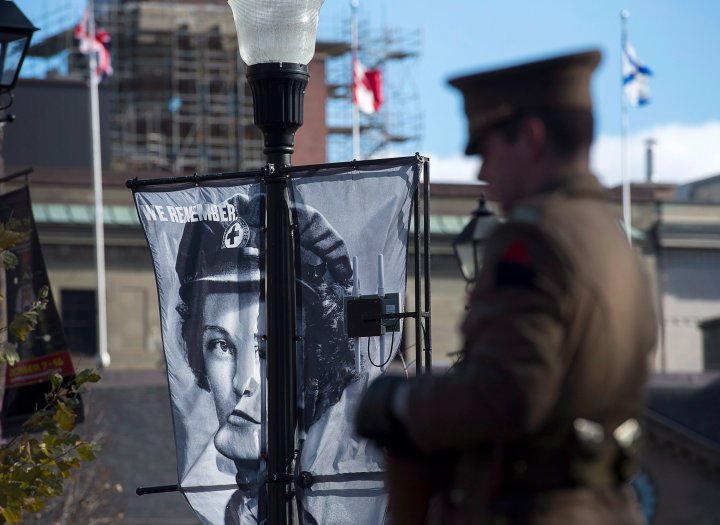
[469, 245]
[277, 40]
[15, 34]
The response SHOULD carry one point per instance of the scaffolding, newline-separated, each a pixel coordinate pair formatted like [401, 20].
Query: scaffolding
[179, 98]
[396, 129]
[180, 101]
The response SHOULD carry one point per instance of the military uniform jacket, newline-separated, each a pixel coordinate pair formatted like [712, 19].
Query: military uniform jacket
[560, 326]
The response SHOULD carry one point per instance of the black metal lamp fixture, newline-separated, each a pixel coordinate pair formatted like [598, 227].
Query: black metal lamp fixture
[277, 41]
[469, 245]
[15, 34]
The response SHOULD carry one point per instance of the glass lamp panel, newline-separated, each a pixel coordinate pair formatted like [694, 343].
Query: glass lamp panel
[479, 256]
[13, 55]
[466, 257]
[484, 226]
[276, 30]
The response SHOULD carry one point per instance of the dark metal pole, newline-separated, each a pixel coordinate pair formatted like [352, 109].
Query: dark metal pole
[278, 91]
[280, 282]
[426, 262]
[418, 279]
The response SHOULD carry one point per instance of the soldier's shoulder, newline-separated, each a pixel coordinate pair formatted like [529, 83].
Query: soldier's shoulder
[521, 251]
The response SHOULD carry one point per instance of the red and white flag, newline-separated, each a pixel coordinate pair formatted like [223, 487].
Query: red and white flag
[367, 88]
[100, 46]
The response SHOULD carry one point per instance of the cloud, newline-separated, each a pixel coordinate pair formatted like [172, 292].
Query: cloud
[454, 169]
[682, 153]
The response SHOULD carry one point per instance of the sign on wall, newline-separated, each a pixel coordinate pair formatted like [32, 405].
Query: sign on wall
[44, 350]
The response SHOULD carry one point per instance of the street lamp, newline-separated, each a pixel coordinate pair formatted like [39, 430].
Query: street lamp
[469, 245]
[15, 34]
[277, 40]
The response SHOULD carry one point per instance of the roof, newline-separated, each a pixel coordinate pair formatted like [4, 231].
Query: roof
[127, 216]
[682, 409]
[84, 214]
[447, 224]
[691, 190]
[645, 192]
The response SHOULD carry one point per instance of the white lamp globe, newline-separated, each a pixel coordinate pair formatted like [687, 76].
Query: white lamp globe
[276, 30]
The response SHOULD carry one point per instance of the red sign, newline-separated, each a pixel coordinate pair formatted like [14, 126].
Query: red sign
[38, 369]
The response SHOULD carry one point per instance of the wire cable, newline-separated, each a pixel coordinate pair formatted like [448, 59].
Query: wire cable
[392, 343]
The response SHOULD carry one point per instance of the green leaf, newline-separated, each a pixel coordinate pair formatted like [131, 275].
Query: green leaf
[9, 353]
[67, 466]
[85, 452]
[10, 238]
[23, 324]
[87, 375]
[33, 466]
[34, 504]
[55, 380]
[35, 421]
[12, 514]
[9, 259]
[64, 418]
[42, 447]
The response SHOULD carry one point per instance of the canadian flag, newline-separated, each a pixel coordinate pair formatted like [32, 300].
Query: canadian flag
[367, 88]
[101, 46]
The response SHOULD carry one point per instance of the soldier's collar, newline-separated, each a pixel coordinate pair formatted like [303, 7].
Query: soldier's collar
[586, 185]
[580, 185]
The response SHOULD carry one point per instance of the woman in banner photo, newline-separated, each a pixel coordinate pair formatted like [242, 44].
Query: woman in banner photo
[219, 268]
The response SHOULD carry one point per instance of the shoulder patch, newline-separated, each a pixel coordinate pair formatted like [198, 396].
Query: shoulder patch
[516, 253]
[515, 266]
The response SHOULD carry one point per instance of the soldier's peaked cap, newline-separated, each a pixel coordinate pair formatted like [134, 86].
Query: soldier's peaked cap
[493, 96]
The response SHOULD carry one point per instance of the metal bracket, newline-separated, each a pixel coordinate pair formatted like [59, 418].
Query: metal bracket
[281, 478]
[157, 489]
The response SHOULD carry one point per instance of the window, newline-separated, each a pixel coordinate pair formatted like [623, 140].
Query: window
[79, 315]
[711, 343]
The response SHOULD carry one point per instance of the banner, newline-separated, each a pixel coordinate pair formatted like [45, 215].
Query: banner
[44, 350]
[207, 246]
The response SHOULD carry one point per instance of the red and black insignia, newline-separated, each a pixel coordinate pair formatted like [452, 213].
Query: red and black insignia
[515, 266]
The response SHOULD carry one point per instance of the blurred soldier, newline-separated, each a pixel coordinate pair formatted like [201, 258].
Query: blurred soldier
[537, 423]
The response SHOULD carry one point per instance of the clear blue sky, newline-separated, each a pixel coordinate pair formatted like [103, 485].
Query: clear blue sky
[678, 40]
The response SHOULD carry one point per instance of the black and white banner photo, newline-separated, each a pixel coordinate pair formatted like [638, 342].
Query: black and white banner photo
[207, 247]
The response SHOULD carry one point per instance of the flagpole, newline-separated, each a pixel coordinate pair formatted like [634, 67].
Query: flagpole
[103, 356]
[626, 202]
[355, 110]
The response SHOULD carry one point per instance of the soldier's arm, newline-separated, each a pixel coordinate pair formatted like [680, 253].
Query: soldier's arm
[514, 365]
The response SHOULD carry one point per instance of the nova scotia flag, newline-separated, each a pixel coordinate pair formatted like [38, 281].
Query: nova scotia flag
[635, 77]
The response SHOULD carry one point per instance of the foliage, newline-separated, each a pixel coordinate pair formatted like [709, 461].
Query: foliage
[34, 465]
[9, 238]
[26, 321]
[21, 326]
[89, 495]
